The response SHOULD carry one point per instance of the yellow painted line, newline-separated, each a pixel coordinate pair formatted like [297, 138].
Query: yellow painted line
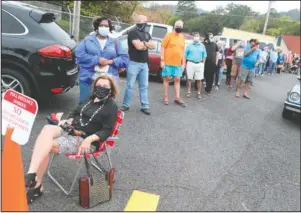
[142, 201]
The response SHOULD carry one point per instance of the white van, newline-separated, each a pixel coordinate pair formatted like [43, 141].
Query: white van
[229, 41]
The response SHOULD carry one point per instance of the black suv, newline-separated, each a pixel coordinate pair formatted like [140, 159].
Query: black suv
[37, 54]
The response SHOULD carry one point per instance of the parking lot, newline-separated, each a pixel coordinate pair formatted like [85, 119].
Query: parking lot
[218, 154]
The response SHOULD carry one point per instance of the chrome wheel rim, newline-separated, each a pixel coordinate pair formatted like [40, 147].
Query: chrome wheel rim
[10, 82]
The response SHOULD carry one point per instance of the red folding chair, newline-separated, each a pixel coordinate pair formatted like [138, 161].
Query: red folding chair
[109, 143]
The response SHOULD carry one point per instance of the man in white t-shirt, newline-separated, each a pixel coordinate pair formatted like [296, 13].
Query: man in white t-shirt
[262, 61]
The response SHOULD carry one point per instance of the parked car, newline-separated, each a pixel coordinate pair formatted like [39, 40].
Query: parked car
[37, 54]
[292, 103]
[154, 58]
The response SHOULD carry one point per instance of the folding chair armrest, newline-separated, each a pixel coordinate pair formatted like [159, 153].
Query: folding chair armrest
[113, 138]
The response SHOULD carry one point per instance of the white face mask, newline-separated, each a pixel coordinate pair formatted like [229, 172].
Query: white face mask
[196, 38]
[103, 31]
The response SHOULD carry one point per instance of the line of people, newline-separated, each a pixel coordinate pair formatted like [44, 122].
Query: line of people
[203, 61]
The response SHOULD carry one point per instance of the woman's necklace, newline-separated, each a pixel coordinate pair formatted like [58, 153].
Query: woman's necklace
[90, 119]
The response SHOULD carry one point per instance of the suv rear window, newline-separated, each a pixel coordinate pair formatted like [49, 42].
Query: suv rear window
[159, 32]
[10, 24]
[55, 31]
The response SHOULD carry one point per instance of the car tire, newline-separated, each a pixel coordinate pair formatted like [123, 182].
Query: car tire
[160, 78]
[11, 74]
[286, 114]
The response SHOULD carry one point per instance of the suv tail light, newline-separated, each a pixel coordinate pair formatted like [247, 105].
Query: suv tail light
[56, 51]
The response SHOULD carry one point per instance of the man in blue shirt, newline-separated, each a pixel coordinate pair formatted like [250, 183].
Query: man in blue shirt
[280, 61]
[195, 55]
[247, 67]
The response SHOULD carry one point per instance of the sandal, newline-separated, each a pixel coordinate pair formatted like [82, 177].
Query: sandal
[180, 102]
[165, 101]
[188, 95]
[246, 97]
[34, 193]
[30, 180]
[199, 96]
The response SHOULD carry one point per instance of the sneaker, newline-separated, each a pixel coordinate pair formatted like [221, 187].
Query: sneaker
[207, 93]
[216, 87]
[124, 108]
[145, 111]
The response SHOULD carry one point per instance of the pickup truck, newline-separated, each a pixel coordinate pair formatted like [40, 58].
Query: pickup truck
[156, 30]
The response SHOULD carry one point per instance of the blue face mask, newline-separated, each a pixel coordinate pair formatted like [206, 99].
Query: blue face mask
[103, 31]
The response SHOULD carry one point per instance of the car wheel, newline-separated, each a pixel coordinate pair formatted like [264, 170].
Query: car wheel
[160, 78]
[286, 114]
[11, 79]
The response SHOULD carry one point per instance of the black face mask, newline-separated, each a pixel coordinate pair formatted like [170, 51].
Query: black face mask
[178, 30]
[101, 92]
[141, 27]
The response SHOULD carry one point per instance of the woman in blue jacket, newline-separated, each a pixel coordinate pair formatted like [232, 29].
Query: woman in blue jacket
[98, 54]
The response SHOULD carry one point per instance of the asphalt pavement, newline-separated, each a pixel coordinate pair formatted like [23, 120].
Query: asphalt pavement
[220, 153]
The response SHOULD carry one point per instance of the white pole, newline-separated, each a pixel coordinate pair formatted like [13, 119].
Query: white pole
[267, 18]
[76, 19]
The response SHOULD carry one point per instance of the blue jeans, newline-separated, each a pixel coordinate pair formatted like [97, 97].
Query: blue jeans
[259, 69]
[221, 72]
[84, 91]
[271, 67]
[137, 71]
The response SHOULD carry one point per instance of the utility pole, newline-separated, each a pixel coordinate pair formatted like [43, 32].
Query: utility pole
[267, 18]
[76, 20]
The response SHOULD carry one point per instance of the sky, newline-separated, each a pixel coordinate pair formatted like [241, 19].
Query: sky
[257, 6]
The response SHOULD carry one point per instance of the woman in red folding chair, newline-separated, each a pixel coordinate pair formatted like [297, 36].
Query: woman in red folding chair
[94, 117]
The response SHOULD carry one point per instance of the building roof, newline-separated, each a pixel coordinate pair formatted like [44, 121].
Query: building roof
[292, 43]
[248, 35]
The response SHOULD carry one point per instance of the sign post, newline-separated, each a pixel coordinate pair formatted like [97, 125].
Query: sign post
[18, 115]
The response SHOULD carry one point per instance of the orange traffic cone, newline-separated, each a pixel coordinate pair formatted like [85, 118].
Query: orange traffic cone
[13, 185]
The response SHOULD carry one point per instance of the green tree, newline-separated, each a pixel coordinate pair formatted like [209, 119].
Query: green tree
[276, 27]
[205, 23]
[186, 10]
[235, 13]
[121, 9]
[172, 20]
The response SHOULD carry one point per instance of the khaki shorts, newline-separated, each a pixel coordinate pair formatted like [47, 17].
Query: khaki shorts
[195, 71]
[246, 75]
[235, 69]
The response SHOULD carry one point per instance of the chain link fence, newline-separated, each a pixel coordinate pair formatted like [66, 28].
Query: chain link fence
[65, 20]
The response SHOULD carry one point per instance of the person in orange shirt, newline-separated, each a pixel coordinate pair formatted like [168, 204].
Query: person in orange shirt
[173, 61]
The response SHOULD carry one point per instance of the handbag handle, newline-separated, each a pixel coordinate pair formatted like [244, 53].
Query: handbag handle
[99, 165]
[88, 170]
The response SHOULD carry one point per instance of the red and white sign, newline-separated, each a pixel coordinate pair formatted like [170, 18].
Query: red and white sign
[18, 111]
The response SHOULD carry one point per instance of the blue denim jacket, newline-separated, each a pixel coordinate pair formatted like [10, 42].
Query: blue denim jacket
[89, 51]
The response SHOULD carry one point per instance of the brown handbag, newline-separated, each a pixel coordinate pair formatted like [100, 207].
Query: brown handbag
[95, 189]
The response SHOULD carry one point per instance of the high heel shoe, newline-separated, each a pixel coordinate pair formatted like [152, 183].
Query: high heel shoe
[30, 180]
[34, 193]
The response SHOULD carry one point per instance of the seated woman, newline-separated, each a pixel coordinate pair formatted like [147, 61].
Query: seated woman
[96, 117]
[98, 53]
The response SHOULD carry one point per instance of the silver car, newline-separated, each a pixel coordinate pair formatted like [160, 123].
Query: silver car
[292, 103]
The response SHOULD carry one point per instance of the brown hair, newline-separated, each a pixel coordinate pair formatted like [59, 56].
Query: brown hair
[114, 90]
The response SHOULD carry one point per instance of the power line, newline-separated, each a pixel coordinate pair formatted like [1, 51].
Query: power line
[233, 15]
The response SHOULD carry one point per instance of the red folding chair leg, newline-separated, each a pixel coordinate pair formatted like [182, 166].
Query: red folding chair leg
[57, 183]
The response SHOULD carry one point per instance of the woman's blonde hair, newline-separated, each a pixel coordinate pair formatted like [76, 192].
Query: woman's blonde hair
[113, 85]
